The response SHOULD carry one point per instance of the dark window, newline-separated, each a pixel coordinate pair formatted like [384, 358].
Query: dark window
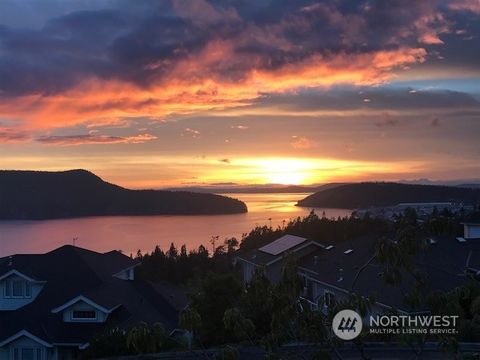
[84, 314]
[17, 288]
[39, 354]
[15, 354]
[8, 285]
[28, 289]
[27, 354]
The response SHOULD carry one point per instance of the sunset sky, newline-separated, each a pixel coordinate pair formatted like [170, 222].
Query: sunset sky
[176, 93]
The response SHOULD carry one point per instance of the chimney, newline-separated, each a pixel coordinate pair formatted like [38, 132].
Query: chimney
[10, 261]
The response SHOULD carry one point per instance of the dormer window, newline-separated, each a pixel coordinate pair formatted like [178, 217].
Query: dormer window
[17, 288]
[84, 315]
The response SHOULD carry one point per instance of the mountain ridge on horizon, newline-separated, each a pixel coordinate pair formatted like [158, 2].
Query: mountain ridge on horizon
[30, 194]
[380, 194]
[233, 188]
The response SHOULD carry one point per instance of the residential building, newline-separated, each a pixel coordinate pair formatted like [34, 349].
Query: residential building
[52, 304]
[333, 271]
[271, 256]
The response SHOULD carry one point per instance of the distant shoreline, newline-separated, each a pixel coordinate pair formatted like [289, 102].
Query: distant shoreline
[42, 195]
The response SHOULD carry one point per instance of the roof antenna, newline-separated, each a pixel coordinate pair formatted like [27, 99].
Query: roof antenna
[75, 240]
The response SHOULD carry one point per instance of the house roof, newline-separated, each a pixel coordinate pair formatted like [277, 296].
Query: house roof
[443, 263]
[282, 244]
[73, 273]
[285, 244]
[473, 219]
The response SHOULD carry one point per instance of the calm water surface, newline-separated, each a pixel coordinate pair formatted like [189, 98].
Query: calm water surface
[130, 233]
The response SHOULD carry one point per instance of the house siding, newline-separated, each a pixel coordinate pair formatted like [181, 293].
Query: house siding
[8, 303]
[6, 352]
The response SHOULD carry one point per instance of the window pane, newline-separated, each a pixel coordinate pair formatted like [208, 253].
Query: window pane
[39, 354]
[27, 354]
[8, 286]
[28, 289]
[15, 354]
[17, 288]
[84, 314]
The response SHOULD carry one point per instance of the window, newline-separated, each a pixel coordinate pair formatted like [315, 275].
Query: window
[27, 354]
[84, 315]
[28, 289]
[8, 286]
[18, 288]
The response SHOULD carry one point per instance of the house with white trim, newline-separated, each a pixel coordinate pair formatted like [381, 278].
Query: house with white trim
[52, 304]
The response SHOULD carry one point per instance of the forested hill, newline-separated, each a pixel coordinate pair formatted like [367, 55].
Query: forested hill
[363, 195]
[74, 193]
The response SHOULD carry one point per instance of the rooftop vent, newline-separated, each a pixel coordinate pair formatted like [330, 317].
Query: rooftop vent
[329, 247]
[348, 251]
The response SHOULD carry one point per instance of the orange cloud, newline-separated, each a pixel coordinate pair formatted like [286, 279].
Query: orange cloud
[190, 88]
[72, 140]
[12, 136]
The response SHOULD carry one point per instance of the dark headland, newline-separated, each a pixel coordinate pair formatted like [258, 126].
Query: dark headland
[378, 194]
[77, 193]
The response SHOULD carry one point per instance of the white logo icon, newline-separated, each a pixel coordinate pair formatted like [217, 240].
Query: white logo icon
[347, 324]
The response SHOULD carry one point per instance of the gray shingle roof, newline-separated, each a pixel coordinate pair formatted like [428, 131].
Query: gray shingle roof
[69, 272]
[443, 263]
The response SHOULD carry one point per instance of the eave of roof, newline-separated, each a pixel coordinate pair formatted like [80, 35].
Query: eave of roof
[26, 334]
[128, 268]
[86, 300]
[18, 273]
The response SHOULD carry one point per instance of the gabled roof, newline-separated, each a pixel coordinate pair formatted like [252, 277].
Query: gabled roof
[87, 262]
[17, 273]
[73, 274]
[443, 262]
[86, 300]
[26, 334]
